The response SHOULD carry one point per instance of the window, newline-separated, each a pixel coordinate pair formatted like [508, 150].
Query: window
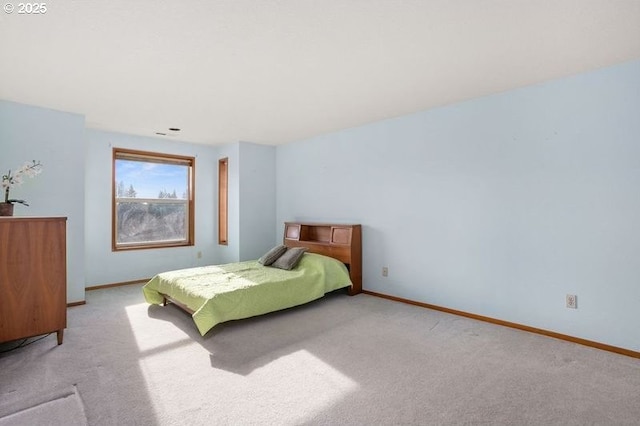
[223, 198]
[153, 200]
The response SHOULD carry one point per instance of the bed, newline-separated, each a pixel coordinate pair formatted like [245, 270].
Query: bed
[331, 260]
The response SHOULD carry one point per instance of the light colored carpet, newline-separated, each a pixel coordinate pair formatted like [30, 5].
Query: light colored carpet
[340, 360]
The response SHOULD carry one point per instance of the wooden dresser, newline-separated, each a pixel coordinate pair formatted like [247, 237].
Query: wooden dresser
[33, 277]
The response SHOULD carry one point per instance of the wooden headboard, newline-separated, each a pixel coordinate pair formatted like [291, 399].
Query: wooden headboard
[342, 242]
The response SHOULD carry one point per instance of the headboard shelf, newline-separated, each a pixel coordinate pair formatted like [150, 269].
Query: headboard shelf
[341, 241]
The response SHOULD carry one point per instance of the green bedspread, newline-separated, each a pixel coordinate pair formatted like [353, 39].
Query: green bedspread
[245, 289]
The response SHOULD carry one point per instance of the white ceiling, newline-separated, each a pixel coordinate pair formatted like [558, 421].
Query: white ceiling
[275, 71]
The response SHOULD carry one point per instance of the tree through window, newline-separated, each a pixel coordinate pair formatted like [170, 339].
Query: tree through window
[152, 200]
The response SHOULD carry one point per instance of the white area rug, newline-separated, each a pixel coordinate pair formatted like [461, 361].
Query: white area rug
[63, 408]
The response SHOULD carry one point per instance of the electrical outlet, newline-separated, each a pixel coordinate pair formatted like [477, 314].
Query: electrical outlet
[572, 301]
[385, 271]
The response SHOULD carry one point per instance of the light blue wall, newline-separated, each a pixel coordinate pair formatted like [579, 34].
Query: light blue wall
[57, 140]
[251, 201]
[498, 206]
[257, 199]
[76, 182]
[104, 266]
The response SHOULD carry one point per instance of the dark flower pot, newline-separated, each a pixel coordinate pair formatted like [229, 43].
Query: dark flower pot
[6, 209]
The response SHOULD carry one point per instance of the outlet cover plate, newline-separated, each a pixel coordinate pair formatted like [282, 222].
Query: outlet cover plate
[572, 301]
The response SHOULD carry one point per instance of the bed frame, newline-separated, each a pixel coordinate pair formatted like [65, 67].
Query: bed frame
[342, 242]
